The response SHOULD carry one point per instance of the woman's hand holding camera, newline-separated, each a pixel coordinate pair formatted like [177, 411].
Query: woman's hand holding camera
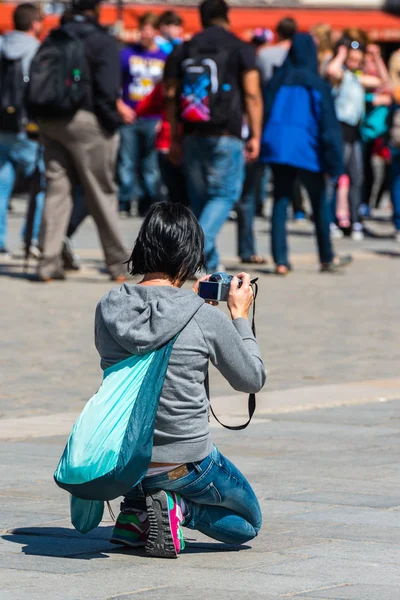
[240, 298]
[195, 289]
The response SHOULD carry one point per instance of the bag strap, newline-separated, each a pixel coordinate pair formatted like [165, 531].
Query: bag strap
[252, 397]
[251, 409]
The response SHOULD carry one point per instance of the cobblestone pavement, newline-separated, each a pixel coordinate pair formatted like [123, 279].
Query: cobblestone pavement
[314, 329]
[322, 453]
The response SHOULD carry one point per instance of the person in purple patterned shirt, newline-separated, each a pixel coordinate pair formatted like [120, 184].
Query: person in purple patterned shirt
[142, 67]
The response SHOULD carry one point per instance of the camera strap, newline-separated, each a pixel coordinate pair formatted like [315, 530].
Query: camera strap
[252, 397]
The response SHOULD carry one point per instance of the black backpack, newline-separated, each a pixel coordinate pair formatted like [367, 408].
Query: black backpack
[206, 92]
[59, 77]
[12, 95]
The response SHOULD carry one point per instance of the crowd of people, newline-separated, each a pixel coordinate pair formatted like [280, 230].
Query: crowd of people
[207, 122]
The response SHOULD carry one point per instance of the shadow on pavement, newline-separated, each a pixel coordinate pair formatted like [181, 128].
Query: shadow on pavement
[16, 272]
[388, 253]
[369, 233]
[59, 542]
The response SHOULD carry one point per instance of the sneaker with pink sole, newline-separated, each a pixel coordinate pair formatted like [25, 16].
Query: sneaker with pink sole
[165, 539]
[131, 529]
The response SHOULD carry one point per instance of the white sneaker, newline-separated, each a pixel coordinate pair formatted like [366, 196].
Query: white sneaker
[34, 251]
[357, 233]
[5, 254]
[336, 232]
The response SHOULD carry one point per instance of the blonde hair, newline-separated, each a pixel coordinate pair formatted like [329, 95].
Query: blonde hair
[394, 70]
[322, 33]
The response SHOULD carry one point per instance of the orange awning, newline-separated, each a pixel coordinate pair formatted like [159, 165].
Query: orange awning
[380, 26]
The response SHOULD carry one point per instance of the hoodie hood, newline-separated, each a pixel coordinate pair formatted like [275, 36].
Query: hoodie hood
[18, 44]
[303, 53]
[143, 318]
[299, 69]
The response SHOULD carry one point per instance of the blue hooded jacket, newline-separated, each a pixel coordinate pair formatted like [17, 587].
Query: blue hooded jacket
[300, 124]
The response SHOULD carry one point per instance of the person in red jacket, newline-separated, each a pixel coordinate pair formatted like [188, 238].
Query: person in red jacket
[171, 174]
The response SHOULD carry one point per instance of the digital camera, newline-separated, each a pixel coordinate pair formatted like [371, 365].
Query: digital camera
[217, 287]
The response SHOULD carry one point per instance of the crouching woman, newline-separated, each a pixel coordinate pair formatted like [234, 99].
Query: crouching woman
[189, 482]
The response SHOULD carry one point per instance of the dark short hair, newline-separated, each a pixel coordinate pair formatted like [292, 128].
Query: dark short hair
[148, 18]
[170, 241]
[350, 44]
[286, 28]
[25, 15]
[84, 5]
[212, 10]
[170, 17]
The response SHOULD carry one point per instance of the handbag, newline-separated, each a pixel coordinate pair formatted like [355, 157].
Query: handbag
[110, 446]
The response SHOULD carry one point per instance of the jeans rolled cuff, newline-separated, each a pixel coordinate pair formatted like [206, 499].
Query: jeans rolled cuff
[188, 516]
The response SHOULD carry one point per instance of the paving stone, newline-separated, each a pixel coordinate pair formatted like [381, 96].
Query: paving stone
[152, 574]
[353, 551]
[364, 532]
[338, 570]
[355, 592]
[351, 516]
[343, 498]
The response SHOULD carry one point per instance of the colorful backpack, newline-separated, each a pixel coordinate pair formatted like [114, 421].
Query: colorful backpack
[110, 446]
[207, 94]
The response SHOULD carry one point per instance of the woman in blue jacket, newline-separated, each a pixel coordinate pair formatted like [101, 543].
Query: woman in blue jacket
[301, 139]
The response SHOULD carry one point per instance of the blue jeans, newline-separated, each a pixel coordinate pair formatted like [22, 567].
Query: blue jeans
[214, 171]
[331, 196]
[246, 208]
[16, 152]
[314, 183]
[137, 167]
[220, 501]
[395, 187]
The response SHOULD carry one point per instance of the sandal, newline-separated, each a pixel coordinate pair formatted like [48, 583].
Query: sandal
[338, 263]
[255, 259]
[282, 270]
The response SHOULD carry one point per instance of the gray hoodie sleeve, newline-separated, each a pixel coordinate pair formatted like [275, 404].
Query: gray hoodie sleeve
[233, 349]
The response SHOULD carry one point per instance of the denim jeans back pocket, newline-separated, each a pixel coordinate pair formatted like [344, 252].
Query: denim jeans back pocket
[201, 477]
[208, 495]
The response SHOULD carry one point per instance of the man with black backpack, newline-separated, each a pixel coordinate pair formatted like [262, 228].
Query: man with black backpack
[74, 86]
[212, 84]
[17, 50]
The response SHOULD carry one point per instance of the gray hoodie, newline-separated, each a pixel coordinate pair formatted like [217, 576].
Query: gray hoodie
[18, 44]
[135, 319]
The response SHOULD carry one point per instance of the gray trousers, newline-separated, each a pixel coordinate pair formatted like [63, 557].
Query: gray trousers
[78, 150]
[354, 165]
